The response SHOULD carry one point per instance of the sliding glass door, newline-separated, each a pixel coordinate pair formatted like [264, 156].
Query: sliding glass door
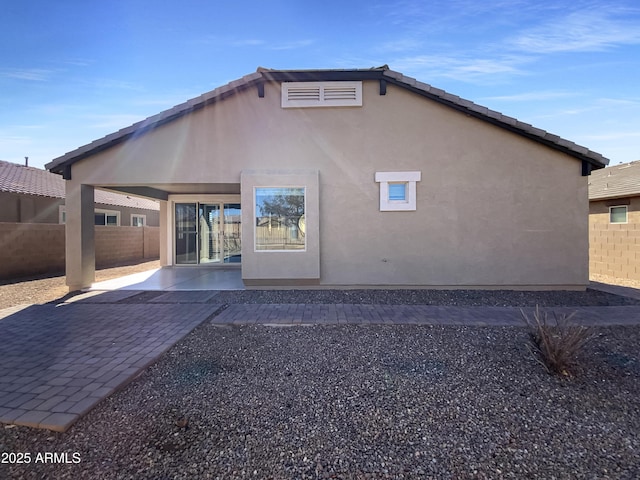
[186, 234]
[210, 233]
[232, 231]
[207, 233]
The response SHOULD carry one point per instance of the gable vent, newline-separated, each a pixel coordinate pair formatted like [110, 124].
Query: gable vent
[321, 94]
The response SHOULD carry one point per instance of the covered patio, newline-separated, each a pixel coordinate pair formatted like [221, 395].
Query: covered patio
[177, 279]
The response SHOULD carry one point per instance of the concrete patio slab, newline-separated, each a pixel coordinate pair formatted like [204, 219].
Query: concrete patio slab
[177, 279]
[59, 361]
[102, 296]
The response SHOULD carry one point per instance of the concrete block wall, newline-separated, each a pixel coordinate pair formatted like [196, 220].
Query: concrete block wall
[151, 242]
[121, 244]
[28, 249]
[614, 249]
[31, 249]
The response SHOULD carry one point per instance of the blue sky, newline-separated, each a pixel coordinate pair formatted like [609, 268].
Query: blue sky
[72, 71]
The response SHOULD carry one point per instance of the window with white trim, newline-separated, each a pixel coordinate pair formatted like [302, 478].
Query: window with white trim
[321, 94]
[138, 220]
[618, 214]
[101, 217]
[107, 217]
[397, 190]
[280, 218]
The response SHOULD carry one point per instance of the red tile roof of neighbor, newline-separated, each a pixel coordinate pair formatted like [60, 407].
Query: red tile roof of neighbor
[15, 178]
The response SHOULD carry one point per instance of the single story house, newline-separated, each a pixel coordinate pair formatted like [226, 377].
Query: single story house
[345, 178]
[33, 195]
[614, 221]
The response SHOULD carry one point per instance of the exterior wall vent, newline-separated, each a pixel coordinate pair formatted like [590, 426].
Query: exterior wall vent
[321, 94]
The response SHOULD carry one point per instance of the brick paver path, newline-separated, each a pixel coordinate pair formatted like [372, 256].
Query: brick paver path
[58, 361]
[414, 314]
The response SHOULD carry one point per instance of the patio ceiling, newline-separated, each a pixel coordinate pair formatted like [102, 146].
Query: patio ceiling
[161, 191]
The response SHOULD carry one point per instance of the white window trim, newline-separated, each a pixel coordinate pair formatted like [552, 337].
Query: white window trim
[255, 213]
[139, 215]
[62, 211]
[329, 94]
[626, 214]
[110, 213]
[409, 178]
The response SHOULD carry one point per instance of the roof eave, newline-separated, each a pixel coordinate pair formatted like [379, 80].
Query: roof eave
[60, 164]
[599, 198]
[596, 161]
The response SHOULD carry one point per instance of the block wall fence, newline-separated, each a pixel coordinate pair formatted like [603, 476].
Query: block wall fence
[28, 249]
[614, 248]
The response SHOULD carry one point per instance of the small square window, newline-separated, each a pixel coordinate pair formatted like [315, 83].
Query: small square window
[618, 214]
[397, 192]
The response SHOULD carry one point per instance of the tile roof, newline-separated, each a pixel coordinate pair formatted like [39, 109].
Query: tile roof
[16, 178]
[383, 74]
[616, 181]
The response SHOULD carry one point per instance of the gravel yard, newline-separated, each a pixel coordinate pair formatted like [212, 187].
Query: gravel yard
[357, 402]
[462, 298]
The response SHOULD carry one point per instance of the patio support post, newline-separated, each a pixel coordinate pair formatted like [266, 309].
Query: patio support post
[80, 236]
[165, 237]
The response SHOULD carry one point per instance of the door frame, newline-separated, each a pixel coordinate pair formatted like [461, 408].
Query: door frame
[171, 228]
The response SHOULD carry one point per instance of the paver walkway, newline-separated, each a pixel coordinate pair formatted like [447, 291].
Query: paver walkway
[58, 361]
[414, 314]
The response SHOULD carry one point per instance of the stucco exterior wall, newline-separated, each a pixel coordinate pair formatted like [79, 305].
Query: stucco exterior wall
[493, 208]
[29, 208]
[278, 266]
[614, 249]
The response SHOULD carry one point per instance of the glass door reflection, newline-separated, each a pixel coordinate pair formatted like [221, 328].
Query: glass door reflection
[186, 233]
[232, 233]
[207, 233]
[210, 233]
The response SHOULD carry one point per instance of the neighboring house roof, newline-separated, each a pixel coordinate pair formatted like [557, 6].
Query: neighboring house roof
[616, 181]
[16, 178]
[382, 74]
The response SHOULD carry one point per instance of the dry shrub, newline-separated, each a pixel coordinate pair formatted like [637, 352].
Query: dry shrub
[556, 344]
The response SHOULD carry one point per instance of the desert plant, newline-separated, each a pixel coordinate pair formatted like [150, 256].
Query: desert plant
[556, 344]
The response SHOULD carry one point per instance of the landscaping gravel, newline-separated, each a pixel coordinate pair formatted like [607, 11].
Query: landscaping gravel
[357, 402]
[462, 298]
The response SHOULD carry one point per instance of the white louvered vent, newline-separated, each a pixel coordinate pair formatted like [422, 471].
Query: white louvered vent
[321, 94]
[304, 94]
